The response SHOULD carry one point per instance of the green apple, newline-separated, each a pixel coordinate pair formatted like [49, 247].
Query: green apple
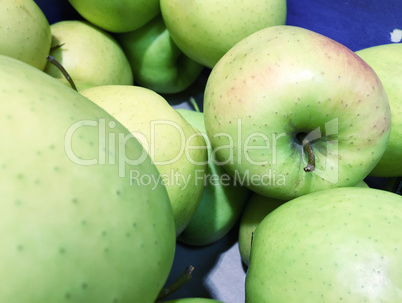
[206, 29]
[256, 208]
[193, 300]
[222, 200]
[24, 32]
[290, 111]
[72, 227]
[156, 61]
[177, 149]
[386, 60]
[335, 245]
[90, 55]
[117, 16]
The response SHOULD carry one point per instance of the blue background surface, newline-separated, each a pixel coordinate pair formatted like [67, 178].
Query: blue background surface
[356, 23]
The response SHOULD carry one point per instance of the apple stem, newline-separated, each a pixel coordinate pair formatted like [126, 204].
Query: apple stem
[53, 48]
[310, 155]
[180, 281]
[311, 159]
[56, 63]
[194, 104]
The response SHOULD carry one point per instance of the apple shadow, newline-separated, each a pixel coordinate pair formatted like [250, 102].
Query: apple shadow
[203, 259]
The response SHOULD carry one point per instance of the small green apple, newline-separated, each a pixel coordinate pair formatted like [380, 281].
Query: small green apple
[335, 245]
[90, 55]
[156, 61]
[386, 60]
[24, 32]
[117, 16]
[177, 149]
[290, 111]
[222, 200]
[206, 29]
[72, 227]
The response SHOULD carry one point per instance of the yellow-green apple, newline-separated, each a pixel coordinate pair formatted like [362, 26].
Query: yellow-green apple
[255, 210]
[156, 61]
[289, 111]
[72, 227]
[386, 60]
[117, 16]
[222, 200]
[178, 150]
[89, 54]
[206, 29]
[335, 245]
[24, 32]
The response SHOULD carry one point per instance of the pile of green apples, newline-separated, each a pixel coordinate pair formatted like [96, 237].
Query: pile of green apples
[101, 175]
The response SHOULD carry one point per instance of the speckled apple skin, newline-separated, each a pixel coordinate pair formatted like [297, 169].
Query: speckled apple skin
[337, 245]
[71, 232]
[286, 80]
[386, 60]
[255, 210]
[206, 29]
[24, 32]
[137, 108]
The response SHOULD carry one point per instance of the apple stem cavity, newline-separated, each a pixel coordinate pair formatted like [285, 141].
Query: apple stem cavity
[56, 63]
[194, 104]
[176, 285]
[310, 167]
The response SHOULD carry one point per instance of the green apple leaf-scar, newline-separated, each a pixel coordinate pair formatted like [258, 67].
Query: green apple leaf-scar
[56, 63]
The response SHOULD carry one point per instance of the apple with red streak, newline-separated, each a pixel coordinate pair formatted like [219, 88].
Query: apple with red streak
[290, 111]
